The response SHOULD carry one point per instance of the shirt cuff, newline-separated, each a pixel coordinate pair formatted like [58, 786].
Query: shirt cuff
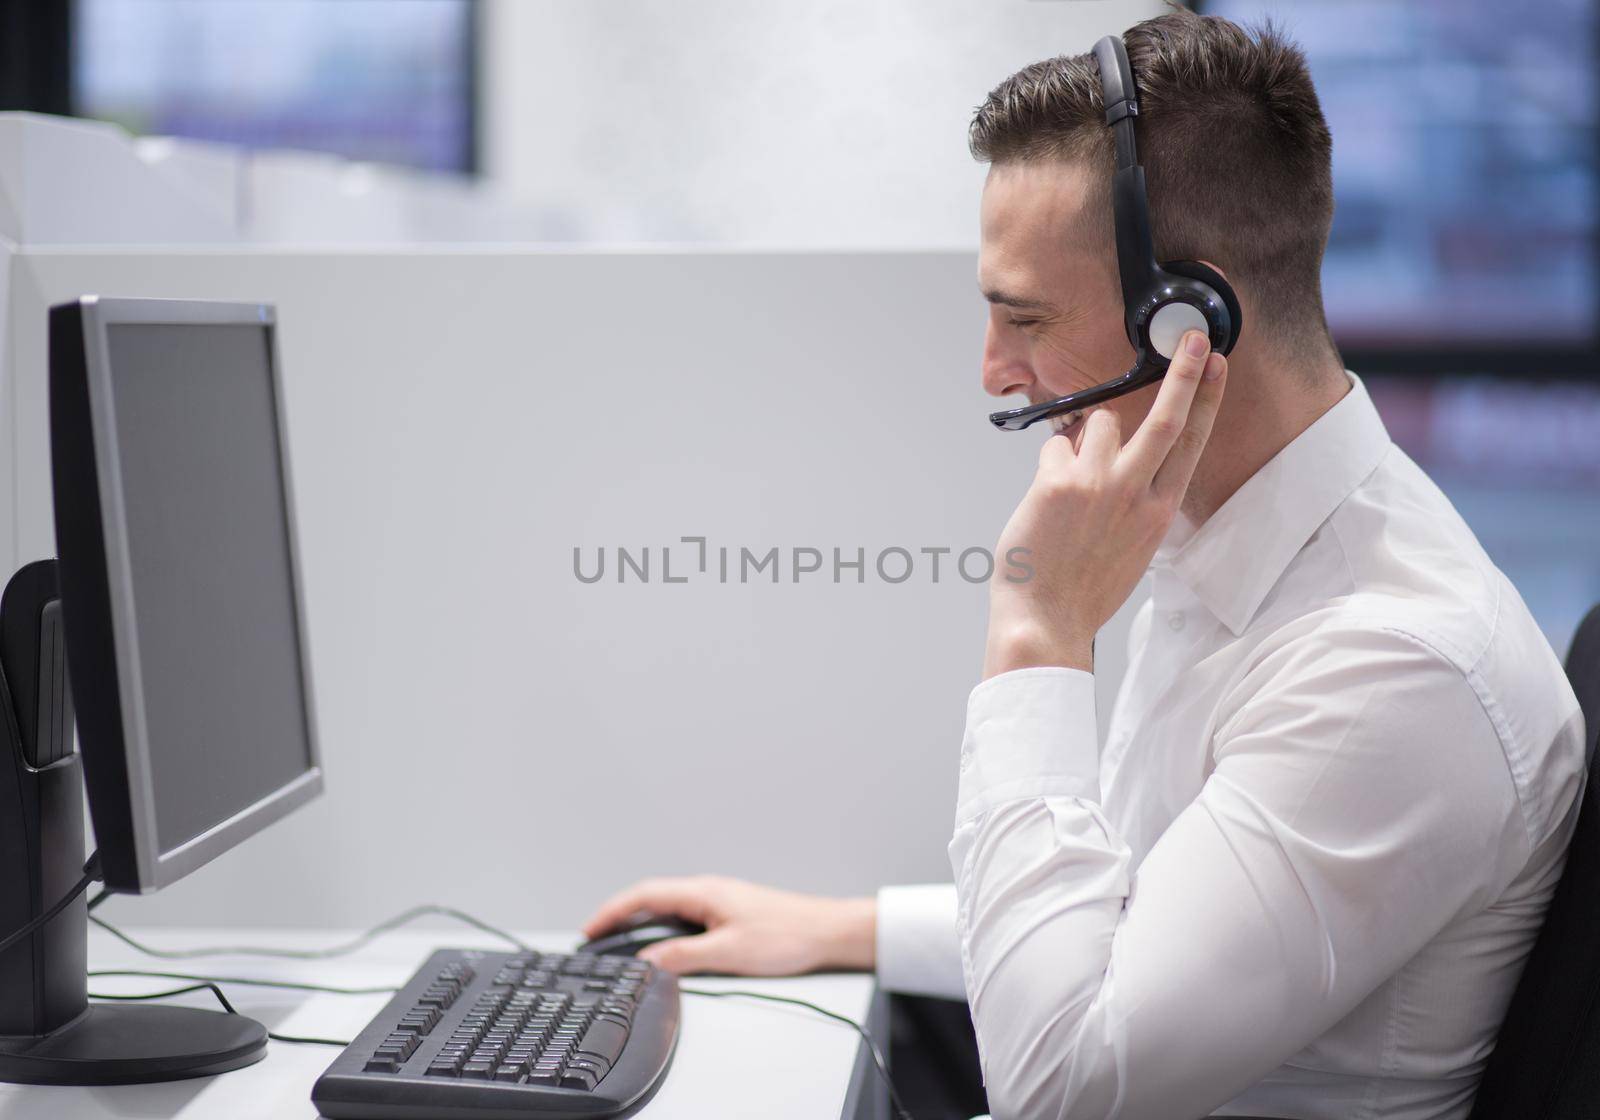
[918, 953]
[1030, 733]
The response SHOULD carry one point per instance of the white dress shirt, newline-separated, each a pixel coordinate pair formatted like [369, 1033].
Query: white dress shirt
[1303, 875]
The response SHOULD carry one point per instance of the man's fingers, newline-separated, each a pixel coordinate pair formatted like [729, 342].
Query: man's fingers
[704, 952]
[1169, 416]
[1102, 439]
[1056, 452]
[683, 898]
[1172, 478]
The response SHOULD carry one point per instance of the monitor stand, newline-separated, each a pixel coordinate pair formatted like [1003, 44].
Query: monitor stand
[50, 1034]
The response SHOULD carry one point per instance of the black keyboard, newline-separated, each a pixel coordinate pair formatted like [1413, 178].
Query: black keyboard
[495, 1036]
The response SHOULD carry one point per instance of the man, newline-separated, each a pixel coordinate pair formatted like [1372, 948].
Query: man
[1338, 782]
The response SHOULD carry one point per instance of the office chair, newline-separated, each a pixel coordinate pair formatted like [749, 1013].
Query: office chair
[1546, 1062]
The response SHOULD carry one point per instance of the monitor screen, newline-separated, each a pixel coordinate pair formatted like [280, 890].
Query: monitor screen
[209, 566]
[1465, 175]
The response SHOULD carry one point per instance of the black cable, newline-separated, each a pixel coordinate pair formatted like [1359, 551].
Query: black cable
[308, 1040]
[866, 1036]
[105, 893]
[226, 1006]
[312, 954]
[91, 874]
[206, 986]
[292, 985]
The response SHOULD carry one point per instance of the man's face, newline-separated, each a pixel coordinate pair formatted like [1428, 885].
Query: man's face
[1055, 304]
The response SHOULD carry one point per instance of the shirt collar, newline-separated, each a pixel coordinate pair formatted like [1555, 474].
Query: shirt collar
[1239, 554]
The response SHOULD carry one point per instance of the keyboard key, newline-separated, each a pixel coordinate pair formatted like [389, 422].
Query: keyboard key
[425, 1016]
[511, 1071]
[597, 1066]
[578, 1079]
[481, 1070]
[606, 1040]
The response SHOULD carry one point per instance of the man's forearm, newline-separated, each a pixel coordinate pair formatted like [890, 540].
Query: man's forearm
[1034, 647]
[848, 932]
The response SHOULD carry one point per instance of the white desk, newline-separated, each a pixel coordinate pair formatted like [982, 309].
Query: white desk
[734, 1057]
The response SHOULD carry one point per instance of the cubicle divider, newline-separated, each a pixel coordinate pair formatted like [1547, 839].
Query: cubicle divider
[616, 563]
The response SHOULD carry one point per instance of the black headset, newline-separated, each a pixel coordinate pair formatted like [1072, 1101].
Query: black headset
[1161, 301]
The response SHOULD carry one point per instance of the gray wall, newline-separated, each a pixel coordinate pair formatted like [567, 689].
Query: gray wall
[818, 123]
[460, 422]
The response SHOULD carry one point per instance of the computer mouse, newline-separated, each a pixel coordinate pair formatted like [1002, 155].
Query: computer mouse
[627, 940]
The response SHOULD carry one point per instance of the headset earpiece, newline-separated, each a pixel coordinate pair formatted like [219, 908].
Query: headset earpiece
[1212, 279]
[1163, 328]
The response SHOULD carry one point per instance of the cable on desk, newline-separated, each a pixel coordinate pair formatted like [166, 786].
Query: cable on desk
[226, 1006]
[381, 928]
[293, 985]
[866, 1036]
[91, 874]
[358, 942]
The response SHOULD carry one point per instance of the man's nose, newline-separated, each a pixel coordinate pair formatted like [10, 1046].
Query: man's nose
[1005, 370]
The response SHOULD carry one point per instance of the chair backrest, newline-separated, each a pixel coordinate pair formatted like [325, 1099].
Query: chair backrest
[1546, 1062]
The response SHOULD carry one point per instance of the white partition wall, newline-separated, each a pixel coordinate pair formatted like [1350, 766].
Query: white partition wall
[503, 736]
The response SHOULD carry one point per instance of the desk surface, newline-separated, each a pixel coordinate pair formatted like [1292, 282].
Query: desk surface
[730, 1054]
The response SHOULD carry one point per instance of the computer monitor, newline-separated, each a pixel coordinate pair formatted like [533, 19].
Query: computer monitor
[180, 584]
[180, 601]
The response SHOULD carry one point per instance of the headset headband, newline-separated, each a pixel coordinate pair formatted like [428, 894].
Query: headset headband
[1136, 255]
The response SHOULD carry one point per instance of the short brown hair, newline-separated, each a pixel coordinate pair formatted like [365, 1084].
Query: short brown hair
[1236, 152]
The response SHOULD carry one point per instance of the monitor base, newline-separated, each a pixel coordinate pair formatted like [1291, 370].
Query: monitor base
[125, 1044]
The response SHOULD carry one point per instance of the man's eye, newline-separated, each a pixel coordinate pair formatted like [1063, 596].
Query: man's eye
[1022, 322]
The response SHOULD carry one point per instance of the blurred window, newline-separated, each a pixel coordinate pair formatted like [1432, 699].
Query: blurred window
[384, 80]
[1465, 171]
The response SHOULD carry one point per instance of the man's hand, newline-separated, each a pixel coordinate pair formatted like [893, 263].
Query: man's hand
[751, 930]
[1094, 517]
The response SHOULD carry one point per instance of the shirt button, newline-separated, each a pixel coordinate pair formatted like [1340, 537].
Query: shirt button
[1176, 620]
